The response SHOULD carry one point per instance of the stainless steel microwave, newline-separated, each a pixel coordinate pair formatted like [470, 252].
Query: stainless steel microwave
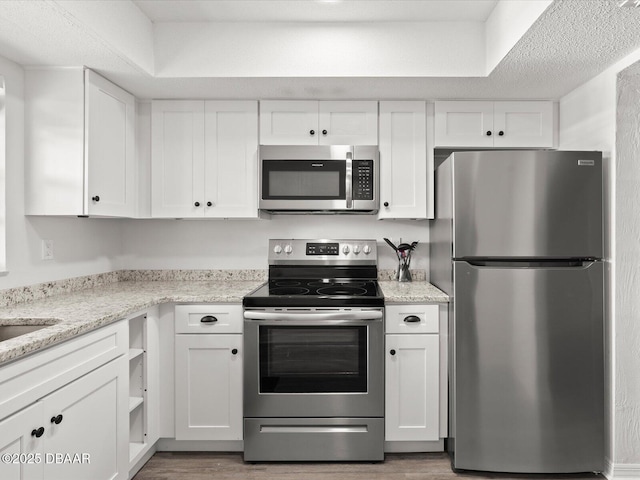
[319, 179]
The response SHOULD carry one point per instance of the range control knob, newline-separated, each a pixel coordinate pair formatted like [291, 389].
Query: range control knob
[277, 249]
[288, 249]
[346, 249]
[356, 249]
[366, 249]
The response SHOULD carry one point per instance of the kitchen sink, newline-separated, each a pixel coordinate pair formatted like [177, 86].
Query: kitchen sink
[8, 332]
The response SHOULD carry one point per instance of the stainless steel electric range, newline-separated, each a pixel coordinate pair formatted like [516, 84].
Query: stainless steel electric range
[314, 365]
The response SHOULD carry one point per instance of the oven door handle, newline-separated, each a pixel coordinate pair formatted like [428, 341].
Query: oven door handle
[304, 316]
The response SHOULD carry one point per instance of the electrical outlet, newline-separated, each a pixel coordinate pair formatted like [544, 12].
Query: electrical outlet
[47, 249]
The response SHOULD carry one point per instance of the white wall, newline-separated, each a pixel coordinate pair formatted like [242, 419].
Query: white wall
[589, 119]
[81, 246]
[242, 244]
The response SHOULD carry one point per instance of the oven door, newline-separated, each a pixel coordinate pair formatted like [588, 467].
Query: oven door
[316, 363]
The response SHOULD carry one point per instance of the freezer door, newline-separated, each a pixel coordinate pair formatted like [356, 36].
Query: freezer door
[527, 204]
[528, 393]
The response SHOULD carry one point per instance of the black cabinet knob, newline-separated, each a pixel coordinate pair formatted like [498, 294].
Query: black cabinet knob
[412, 319]
[96, 198]
[501, 133]
[197, 204]
[312, 132]
[488, 133]
[208, 319]
[324, 132]
[209, 204]
[386, 204]
[234, 351]
[392, 352]
[37, 432]
[57, 419]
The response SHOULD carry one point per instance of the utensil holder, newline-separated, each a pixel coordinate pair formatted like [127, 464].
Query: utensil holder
[404, 261]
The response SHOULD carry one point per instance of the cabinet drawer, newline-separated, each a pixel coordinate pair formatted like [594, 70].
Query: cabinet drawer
[208, 318]
[37, 375]
[411, 319]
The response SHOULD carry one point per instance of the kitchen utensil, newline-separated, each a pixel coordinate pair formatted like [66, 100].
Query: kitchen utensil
[403, 252]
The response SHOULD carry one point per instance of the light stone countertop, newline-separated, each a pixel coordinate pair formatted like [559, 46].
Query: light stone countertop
[81, 311]
[412, 292]
[74, 313]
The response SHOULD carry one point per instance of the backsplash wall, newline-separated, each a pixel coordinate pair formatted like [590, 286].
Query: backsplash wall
[242, 244]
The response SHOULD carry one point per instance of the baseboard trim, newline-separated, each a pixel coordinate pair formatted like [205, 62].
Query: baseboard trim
[140, 463]
[627, 471]
[414, 447]
[173, 445]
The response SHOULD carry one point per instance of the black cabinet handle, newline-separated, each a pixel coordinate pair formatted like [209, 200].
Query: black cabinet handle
[392, 352]
[57, 419]
[501, 133]
[234, 351]
[412, 319]
[324, 132]
[208, 319]
[209, 204]
[312, 132]
[96, 198]
[37, 432]
[197, 204]
[386, 204]
[488, 133]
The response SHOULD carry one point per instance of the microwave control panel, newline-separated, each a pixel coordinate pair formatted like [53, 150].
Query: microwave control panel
[362, 184]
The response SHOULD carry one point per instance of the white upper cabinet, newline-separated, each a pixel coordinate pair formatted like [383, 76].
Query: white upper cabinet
[204, 159]
[80, 144]
[231, 158]
[403, 160]
[110, 148]
[293, 122]
[519, 124]
[177, 158]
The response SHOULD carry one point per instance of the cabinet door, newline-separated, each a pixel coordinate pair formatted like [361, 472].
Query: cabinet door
[93, 423]
[208, 387]
[412, 388]
[464, 124]
[523, 124]
[109, 148]
[16, 440]
[177, 159]
[288, 122]
[348, 123]
[403, 160]
[231, 159]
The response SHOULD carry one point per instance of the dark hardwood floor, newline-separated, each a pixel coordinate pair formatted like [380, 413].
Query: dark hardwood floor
[229, 466]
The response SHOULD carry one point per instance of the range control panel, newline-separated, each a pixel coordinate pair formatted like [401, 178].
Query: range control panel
[322, 251]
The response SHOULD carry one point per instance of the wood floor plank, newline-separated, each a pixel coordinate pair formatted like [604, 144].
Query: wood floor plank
[230, 466]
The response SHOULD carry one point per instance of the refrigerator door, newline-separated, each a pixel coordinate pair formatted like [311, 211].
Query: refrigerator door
[528, 391]
[527, 204]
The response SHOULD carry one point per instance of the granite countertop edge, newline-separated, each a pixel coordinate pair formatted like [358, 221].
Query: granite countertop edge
[79, 312]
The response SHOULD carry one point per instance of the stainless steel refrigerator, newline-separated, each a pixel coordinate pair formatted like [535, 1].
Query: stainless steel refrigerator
[518, 244]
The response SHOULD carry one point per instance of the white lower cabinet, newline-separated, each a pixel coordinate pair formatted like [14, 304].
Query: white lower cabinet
[208, 374]
[412, 390]
[414, 375]
[73, 433]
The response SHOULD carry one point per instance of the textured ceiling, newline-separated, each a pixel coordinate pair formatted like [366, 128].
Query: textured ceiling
[570, 43]
[315, 10]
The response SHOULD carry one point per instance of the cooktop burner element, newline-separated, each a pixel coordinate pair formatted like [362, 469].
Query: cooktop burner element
[320, 273]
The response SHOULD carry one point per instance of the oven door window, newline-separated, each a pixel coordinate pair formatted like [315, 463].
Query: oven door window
[313, 359]
[303, 179]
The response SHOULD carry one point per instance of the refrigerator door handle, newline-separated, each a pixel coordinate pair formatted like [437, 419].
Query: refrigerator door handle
[493, 263]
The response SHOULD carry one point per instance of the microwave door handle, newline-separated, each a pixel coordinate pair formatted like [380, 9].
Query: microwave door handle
[348, 179]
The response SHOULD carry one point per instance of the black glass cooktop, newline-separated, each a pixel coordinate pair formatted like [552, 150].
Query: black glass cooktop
[311, 292]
